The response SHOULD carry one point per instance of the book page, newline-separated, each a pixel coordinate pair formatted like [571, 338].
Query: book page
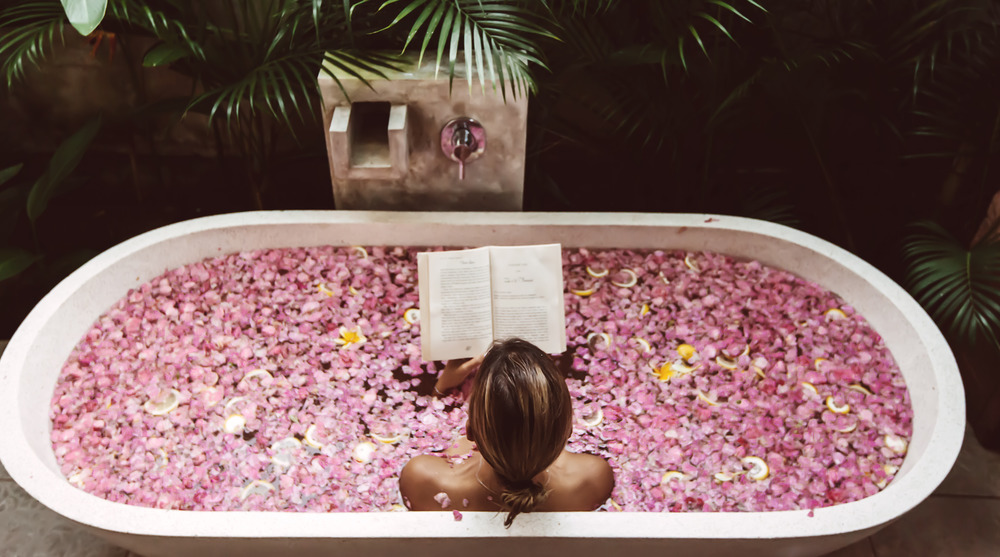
[455, 313]
[528, 295]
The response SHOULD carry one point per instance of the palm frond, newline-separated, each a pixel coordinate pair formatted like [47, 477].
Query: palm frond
[33, 28]
[498, 38]
[959, 286]
[169, 27]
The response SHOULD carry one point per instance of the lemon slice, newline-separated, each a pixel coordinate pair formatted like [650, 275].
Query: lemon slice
[664, 279]
[630, 282]
[860, 388]
[817, 362]
[286, 444]
[411, 315]
[759, 372]
[837, 409]
[746, 351]
[643, 344]
[363, 452]
[882, 483]
[594, 419]
[758, 468]
[361, 251]
[615, 505]
[584, 293]
[645, 309]
[849, 428]
[690, 263]
[895, 443]
[890, 469]
[389, 439]
[605, 336]
[322, 288]
[705, 399]
[259, 487]
[162, 458]
[234, 423]
[686, 351]
[310, 437]
[726, 362]
[78, 477]
[723, 476]
[684, 367]
[283, 460]
[810, 387]
[596, 274]
[262, 373]
[352, 290]
[833, 314]
[398, 508]
[671, 475]
[165, 406]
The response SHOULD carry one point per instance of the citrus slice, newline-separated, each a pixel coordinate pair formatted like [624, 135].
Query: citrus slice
[165, 406]
[615, 505]
[643, 344]
[890, 470]
[388, 439]
[234, 424]
[258, 487]
[686, 351]
[584, 293]
[310, 437]
[397, 508]
[596, 274]
[78, 477]
[817, 362]
[849, 428]
[684, 367]
[352, 290]
[283, 460]
[411, 315]
[363, 452]
[895, 443]
[286, 444]
[629, 282]
[723, 476]
[834, 314]
[644, 309]
[232, 401]
[593, 419]
[671, 475]
[664, 279]
[860, 388]
[605, 336]
[323, 289]
[837, 409]
[361, 251]
[690, 263]
[758, 468]
[759, 372]
[726, 362]
[746, 351]
[262, 373]
[809, 387]
[705, 399]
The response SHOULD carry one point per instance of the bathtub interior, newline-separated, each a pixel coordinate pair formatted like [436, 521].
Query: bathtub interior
[63, 317]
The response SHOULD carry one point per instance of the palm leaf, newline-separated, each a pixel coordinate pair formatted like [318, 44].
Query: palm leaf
[959, 286]
[32, 30]
[498, 38]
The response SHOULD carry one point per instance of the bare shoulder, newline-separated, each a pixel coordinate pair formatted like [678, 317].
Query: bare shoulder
[591, 481]
[421, 479]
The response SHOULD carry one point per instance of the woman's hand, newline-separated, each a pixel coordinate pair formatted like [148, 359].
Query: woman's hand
[455, 371]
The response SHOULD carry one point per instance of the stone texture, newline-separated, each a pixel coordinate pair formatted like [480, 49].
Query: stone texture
[493, 181]
[944, 526]
[28, 528]
[976, 471]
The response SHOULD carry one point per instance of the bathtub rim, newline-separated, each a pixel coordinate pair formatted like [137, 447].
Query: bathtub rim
[50, 488]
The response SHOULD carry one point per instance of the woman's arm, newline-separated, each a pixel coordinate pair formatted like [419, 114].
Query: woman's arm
[455, 371]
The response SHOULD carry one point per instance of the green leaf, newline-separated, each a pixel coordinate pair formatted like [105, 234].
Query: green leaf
[162, 54]
[13, 261]
[62, 163]
[85, 15]
[10, 172]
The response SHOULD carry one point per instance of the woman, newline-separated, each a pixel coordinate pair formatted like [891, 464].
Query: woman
[520, 417]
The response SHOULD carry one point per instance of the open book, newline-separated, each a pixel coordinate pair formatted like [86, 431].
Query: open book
[468, 298]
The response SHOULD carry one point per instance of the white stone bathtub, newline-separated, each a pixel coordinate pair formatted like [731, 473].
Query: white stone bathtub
[33, 359]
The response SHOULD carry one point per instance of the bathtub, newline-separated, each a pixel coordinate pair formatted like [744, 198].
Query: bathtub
[33, 359]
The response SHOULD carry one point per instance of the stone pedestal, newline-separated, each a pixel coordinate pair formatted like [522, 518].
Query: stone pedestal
[384, 141]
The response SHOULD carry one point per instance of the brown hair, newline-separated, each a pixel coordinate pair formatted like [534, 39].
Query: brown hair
[520, 417]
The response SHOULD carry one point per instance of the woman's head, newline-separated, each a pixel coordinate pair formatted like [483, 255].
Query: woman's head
[520, 417]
